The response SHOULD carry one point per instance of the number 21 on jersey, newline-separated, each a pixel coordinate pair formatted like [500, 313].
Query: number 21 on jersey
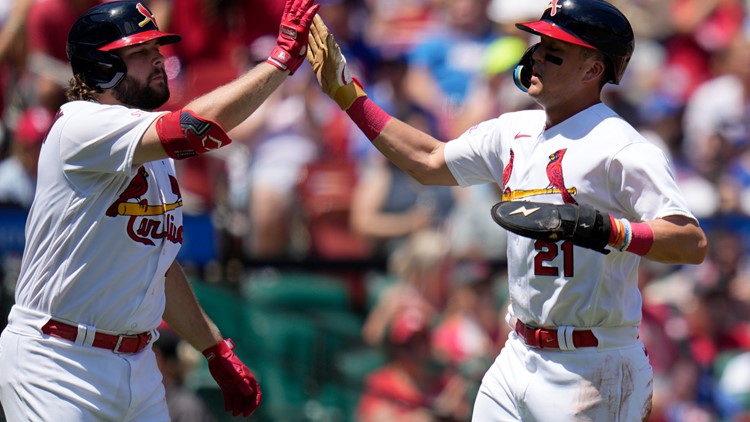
[549, 251]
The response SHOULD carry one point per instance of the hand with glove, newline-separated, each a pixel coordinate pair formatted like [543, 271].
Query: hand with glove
[581, 224]
[241, 392]
[329, 66]
[293, 34]
[334, 78]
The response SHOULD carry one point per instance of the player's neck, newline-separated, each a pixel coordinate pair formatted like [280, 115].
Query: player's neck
[557, 115]
[106, 97]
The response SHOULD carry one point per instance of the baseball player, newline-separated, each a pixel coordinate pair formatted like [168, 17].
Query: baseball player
[584, 197]
[99, 271]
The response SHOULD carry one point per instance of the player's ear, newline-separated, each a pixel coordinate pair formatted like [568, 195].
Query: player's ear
[595, 68]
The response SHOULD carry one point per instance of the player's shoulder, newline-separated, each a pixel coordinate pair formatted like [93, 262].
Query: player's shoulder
[509, 121]
[522, 118]
[614, 125]
[92, 112]
[89, 106]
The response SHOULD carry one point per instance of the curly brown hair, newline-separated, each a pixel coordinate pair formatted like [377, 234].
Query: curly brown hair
[79, 90]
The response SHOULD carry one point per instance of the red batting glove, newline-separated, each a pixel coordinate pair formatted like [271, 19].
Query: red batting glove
[241, 392]
[292, 40]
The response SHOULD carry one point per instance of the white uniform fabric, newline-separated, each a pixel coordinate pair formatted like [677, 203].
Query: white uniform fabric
[100, 237]
[44, 378]
[603, 162]
[529, 385]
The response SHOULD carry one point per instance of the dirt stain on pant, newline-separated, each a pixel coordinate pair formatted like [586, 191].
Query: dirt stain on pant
[608, 392]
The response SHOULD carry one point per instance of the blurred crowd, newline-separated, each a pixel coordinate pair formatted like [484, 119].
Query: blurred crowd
[300, 182]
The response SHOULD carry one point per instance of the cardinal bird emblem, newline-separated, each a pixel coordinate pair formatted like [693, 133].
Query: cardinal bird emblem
[137, 188]
[554, 6]
[555, 176]
[149, 17]
[175, 186]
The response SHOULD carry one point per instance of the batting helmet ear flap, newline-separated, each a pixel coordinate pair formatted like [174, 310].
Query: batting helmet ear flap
[522, 73]
[98, 69]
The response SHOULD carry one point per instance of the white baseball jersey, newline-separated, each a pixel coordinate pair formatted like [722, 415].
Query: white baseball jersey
[102, 232]
[593, 158]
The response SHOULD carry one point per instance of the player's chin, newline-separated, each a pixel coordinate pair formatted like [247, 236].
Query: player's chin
[160, 87]
[158, 82]
[535, 89]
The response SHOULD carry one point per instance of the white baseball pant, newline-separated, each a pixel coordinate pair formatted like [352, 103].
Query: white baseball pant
[588, 384]
[44, 378]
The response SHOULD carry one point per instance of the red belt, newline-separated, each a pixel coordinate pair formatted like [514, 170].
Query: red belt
[132, 343]
[544, 338]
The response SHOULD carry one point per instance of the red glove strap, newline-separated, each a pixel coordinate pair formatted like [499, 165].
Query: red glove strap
[289, 54]
[221, 349]
[370, 118]
[284, 60]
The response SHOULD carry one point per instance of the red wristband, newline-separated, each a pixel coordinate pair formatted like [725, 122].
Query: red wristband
[635, 238]
[222, 348]
[370, 118]
[643, 239]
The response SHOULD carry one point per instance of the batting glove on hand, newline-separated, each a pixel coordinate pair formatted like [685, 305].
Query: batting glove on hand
[581, 224]
[241, 392]
[329, 66]
[292, 40]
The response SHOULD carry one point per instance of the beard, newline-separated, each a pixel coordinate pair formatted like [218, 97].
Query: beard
[140, 95]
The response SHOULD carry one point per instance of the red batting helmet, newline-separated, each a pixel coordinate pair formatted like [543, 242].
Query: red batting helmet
[593, 24]
[107, 27]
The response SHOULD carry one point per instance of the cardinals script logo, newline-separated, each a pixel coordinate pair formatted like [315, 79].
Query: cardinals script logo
[141, 227]
[554, 176]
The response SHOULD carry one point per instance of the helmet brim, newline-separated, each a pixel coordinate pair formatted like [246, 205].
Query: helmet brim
[551, 30]
[141, 37]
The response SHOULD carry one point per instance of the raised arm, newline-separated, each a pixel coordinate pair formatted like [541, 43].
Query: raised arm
[412, 150]
[222, 109]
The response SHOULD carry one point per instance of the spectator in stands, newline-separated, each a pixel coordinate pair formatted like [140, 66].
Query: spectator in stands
[444, 66]
[388, 205]
[18, 171]
[679, 400]
[396, 26]
[277, 141]
[420, 269]
[700, 28]
[13, 15]
[716, 122]
[650, 18]
[410, 386]
[505, 13]
[47, 32]
[469, 330]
